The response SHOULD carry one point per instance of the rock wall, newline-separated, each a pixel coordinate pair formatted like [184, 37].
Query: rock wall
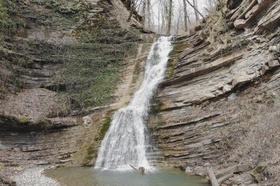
[66, 52]
[219, 104]
[52, 53]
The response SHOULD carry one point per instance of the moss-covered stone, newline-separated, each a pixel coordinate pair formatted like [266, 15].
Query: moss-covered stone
[257, 172]
[23, 120]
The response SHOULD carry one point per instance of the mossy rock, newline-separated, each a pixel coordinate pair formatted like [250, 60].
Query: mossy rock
[2, 166]
[257, 172]
[23, 120]
[92, 150]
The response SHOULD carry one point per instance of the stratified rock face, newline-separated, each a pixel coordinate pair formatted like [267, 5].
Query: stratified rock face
[54, 52]
[70, 50]
[220, 101]
[263, 15]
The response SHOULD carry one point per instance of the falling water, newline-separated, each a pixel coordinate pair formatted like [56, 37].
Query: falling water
[124, 144]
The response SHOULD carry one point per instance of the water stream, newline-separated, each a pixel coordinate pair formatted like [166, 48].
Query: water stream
[125, 142]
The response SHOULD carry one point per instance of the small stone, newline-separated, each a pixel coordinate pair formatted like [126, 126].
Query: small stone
[274, 63]
[30, 149]
[64, 161]
[272, 49]
[87, 120]
[188, 170]
[250, 71]
[42, 163]
[263, 69]
[227, 88]
[239, 23]
[232, 96]
[200, 171]
[242, 79]
[18, 168]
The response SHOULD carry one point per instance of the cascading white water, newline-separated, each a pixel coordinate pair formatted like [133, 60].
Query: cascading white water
[124, 143]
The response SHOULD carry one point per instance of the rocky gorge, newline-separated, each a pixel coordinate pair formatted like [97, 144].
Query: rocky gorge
[67, 65]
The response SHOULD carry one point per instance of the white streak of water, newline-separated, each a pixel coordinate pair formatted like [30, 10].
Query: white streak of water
[124, 143]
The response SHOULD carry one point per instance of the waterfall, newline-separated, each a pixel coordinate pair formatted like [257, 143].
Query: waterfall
[124, 143]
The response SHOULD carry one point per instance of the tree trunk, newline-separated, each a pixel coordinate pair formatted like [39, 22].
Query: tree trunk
[195, 9]
[169, 22]
[159, 16]
[144, 12]
[185, 15]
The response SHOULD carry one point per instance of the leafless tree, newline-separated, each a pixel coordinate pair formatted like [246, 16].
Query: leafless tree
[197, 12]
[169, 16]
[186, 16]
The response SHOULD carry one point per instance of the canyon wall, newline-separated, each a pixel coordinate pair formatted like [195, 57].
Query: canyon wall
[219, 105]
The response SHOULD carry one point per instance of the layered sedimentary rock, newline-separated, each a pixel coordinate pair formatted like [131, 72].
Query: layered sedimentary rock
[41, 123]
[59, 51]
[219, 104]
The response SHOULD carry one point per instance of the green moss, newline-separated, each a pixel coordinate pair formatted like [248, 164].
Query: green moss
[92, 151]
[171, 67]
[23, 120]
[177, 48]
[2, 166]
[5, 19]
[91, 74]
[257, 172]
[91, 71]
[87, 71]
[155, 107]
[106, 124]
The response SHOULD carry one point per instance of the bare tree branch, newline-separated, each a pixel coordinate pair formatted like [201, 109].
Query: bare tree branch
[195, 9]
